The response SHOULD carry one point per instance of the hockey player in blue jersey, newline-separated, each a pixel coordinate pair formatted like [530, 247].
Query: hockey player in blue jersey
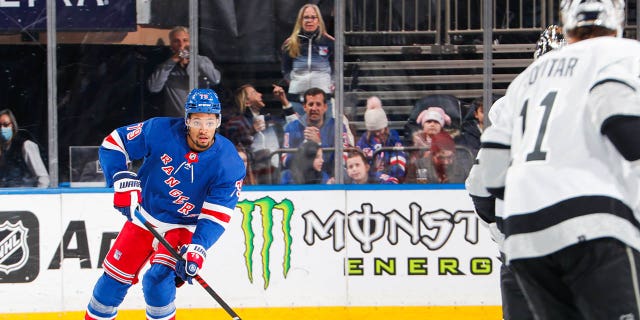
[187, 187]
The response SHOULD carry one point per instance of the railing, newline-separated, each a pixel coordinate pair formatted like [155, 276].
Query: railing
[463, 155]
[447, 21]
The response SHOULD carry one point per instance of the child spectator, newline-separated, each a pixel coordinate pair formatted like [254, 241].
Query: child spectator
[358, 170]
[378, 135]
[432, 120]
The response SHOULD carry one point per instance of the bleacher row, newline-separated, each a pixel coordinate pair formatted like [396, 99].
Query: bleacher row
[401, 75]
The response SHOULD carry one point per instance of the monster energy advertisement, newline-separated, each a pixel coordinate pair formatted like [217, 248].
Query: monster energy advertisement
[282, 248]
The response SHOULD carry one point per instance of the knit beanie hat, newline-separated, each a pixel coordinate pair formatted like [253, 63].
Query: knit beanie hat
[375, 119]
[434, 113]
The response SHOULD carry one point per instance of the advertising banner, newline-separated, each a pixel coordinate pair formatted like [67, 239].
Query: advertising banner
[284, 248]
[71, 15]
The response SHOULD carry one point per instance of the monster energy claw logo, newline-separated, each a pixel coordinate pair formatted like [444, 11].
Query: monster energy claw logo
[267, 207]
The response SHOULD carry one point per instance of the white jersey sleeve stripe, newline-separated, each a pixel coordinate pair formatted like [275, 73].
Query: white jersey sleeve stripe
[113, 142]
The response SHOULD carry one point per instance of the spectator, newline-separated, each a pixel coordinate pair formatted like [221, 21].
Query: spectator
[378, 135]
[472, 127]
[441, 165]
[307, 166]
[313, 126]
[249, 178]
[173, 74]
[236, 127]
[307, 57]
[267, 129]
[358, 170]
[431, 120]
[20, 162]
[451, 106]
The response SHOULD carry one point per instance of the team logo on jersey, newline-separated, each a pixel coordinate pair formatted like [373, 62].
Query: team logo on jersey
[19, 251]
[191, 157]
[323, 50]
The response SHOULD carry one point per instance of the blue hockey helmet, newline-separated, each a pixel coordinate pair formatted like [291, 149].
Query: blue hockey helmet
[202, 101]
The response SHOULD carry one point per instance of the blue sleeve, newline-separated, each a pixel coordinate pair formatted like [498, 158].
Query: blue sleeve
[207, 233]
[221, 199]
[325, 177]
[397, 159]
[122, 146]
[287, 177]
[383, 178]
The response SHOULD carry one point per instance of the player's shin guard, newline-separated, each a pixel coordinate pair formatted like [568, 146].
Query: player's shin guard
[159, 290]
[98, 311]
[108, 294]
[161, 313]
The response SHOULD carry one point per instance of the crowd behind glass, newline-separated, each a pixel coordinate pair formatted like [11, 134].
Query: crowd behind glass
[285, 135]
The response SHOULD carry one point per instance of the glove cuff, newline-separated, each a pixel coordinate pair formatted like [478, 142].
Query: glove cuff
[196, 248]
[126, 181]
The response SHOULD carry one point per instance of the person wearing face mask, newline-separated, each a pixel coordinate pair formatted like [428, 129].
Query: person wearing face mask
[307, 57]
[20, 162]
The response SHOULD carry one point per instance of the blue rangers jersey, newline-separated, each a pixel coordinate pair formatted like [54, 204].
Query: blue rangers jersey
[180, 188]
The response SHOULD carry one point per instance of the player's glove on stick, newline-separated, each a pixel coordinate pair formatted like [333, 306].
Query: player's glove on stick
[194, 255]
[127, 192]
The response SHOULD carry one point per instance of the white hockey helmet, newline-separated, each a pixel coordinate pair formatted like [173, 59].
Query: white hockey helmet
[608, 14]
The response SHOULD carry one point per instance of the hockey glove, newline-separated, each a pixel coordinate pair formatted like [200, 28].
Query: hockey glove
[127, 192]
[194, 255]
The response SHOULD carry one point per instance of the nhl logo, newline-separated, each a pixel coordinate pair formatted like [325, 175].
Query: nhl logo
[14, 251]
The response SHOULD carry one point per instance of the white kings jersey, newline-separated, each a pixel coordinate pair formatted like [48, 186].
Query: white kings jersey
[566, 183]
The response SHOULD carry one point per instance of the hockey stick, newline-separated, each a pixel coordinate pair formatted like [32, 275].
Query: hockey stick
[177, 256]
